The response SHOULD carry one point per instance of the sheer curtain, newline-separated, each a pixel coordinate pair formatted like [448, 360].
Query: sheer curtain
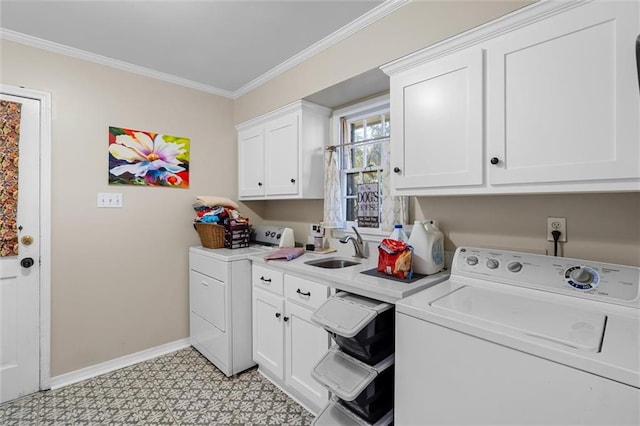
[393, 209]
[332, 217]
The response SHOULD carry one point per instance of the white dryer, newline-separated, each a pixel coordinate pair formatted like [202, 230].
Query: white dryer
[514, 338]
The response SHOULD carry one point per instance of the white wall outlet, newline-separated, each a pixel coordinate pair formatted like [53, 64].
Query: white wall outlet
[110, 199]
[316, 230]
[557, 224]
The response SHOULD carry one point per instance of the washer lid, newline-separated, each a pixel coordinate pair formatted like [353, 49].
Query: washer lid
[576, 328]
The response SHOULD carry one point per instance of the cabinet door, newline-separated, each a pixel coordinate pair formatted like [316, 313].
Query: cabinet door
[251, 162]
[437, 135]
[562, 97]
[306, 343]
[268, 333]
[281, 149]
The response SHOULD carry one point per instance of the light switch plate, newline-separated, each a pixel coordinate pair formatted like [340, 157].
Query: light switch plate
[110, 199]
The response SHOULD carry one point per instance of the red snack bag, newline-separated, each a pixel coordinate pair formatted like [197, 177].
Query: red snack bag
[394, 258]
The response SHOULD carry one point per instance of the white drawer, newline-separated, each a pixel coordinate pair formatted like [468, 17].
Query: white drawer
[210, 341]
[305, 292]
[205, 265]
[267, 279]
[206, 298]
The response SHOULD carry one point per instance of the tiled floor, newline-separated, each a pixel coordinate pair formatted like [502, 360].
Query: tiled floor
[181, 388]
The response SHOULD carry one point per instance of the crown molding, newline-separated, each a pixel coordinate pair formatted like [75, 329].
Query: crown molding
[104, 60]
[365, 20]
[362, 22]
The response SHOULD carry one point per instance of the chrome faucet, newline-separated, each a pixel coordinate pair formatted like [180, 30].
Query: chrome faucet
[358, 244]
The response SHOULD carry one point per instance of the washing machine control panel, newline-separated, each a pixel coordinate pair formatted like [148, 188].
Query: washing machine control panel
[581, 278]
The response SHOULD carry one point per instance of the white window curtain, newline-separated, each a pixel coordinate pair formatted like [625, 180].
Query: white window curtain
[393, 209]
[332, 217]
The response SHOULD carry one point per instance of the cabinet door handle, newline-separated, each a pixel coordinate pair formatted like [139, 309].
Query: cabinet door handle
[204, 283]
[396, 170]
[494, 160]
[259, 183]
[293, 180]
[278, 314]
[301, 293]
[266, 280]
[285, 319]
[638, 58]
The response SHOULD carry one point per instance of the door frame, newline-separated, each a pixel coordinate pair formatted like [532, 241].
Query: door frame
[45, 225]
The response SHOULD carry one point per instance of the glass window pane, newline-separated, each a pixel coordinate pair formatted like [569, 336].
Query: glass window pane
[369, 177]
[353, 179]
[352, 209]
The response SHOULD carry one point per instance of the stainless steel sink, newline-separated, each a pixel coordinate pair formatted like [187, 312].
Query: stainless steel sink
[332, 263]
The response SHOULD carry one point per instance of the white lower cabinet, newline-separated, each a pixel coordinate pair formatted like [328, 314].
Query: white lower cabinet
[286, 344]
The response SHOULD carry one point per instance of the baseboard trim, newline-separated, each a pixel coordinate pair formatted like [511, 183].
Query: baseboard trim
[115, 364]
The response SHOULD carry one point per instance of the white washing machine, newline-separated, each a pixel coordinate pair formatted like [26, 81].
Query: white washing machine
[514, 338]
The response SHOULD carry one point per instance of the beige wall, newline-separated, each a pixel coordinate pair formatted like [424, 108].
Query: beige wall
[119, 276]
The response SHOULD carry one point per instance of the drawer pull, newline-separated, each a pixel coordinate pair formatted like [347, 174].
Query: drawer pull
[301, 293]
[266, 280]
[204, 283]
[278, 314]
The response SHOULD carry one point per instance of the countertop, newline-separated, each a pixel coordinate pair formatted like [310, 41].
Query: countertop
[350, 279]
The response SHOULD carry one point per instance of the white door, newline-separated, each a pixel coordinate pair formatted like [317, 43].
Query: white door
[20, 281]
[437, 130]
[306, 344]
[281, 138]
[562, 98]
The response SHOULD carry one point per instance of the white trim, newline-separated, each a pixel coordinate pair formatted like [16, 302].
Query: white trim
[109, 62]
[45, 225]
[510, 22]
[116, 364]
[365, 20]
[362, 22]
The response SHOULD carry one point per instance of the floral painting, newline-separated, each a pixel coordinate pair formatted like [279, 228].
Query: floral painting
[148, 159]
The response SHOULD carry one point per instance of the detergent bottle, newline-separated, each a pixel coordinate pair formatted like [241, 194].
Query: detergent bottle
[434, 259]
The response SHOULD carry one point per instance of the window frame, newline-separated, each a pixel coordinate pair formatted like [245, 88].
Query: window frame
[355, 112]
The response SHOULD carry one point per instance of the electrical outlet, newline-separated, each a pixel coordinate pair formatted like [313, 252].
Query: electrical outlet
[316, 230]
[557, 224]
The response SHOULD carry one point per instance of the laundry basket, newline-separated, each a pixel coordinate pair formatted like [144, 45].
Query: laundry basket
[211, 235]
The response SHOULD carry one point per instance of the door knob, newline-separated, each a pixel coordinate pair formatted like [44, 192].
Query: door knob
[27, 262]
[27, 240]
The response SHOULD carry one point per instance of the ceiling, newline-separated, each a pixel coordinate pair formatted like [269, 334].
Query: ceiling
[221, 46]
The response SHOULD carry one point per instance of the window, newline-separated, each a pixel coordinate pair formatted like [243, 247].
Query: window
[362, 158]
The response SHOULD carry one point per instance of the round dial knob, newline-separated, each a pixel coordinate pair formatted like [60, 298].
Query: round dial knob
[514, 266]
[581, 276]
[492, 263]
[472, 260]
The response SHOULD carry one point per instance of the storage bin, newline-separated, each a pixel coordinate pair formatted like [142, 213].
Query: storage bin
[236, 234]
[362, 327]
[336, 414]
[366, 390]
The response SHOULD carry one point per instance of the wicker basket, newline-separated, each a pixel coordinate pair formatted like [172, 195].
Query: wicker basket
[211, 235]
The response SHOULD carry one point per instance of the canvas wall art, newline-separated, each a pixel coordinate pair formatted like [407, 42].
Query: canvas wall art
[143, 158]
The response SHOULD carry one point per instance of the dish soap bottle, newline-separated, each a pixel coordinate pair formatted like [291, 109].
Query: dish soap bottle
[435, 248]
[399, 234]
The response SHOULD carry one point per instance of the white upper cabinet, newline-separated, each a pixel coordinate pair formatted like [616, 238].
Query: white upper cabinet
[557, 109]
[280, 154]
[437, 132]
[562, 98]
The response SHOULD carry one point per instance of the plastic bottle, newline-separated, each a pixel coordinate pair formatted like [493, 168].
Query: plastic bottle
[435, 249]
[399, 234]
[419, 240]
